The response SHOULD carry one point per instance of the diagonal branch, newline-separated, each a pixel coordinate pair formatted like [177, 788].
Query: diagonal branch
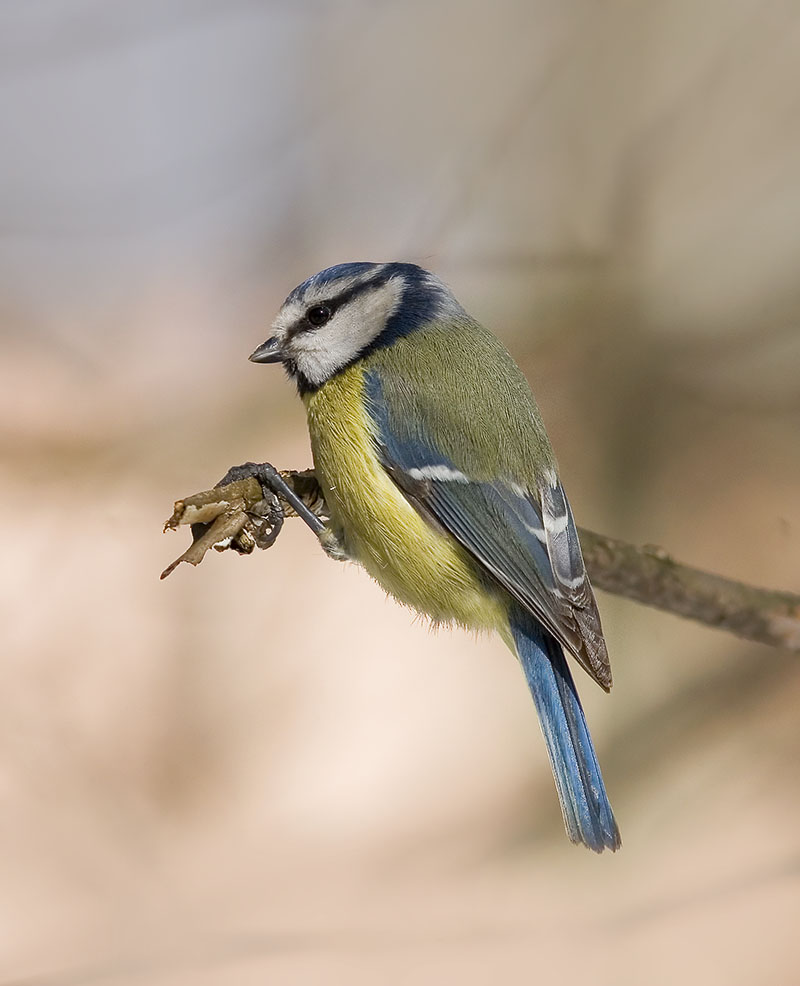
[650, 576]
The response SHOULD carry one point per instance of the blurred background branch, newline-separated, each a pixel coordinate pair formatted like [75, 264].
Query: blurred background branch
[650, 576]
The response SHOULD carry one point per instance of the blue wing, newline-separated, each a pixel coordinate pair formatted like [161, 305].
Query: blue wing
[525, 538]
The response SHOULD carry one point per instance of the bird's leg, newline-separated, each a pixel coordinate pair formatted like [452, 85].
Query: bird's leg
[302, 497]
[304, 483]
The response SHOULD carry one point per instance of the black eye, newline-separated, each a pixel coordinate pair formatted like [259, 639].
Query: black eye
[318, 315]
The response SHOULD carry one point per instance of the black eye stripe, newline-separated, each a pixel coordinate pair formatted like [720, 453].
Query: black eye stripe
[335, 302]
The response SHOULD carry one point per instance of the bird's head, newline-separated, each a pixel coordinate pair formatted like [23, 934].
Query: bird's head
[339, 315]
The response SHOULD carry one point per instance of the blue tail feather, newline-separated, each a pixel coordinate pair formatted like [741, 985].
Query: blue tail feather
[587, 813]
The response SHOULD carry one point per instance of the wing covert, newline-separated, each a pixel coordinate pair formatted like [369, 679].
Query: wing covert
[525, 539]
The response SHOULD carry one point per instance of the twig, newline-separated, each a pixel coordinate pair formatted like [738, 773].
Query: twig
[220, 518]
[650, 576]
[233, 516]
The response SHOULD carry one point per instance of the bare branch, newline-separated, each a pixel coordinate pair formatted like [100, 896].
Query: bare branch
[650, 576]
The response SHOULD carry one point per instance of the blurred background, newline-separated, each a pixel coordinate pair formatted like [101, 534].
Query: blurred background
[262, 770]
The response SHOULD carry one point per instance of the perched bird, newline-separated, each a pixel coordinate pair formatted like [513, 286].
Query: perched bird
[440, 481]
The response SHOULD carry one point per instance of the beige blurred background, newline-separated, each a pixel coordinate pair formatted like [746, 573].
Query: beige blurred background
[262, 770]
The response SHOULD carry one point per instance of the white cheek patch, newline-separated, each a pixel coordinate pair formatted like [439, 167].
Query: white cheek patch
[319, 353]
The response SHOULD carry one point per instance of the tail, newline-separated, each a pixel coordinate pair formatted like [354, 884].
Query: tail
[584, 804]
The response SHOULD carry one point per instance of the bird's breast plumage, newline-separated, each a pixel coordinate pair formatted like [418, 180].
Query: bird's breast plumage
[417, 563]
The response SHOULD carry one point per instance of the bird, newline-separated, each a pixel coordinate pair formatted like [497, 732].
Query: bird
[439, 479]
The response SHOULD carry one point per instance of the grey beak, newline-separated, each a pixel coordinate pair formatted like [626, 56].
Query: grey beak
[267, 352]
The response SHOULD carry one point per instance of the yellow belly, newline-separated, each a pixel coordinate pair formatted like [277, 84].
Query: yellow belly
[420, 566]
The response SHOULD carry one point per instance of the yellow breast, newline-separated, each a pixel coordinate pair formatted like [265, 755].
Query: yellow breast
[420, 566]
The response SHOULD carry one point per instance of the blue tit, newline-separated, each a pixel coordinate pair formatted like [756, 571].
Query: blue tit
[440, 481]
